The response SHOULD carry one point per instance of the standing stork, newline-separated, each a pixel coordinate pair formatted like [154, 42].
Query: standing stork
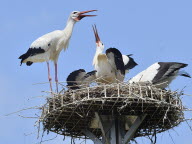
[109, 66]
[161, 74]
[49, 46]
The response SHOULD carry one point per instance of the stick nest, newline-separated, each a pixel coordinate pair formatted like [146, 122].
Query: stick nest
[69, 112]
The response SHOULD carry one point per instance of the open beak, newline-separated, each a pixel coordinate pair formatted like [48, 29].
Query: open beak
[97, 39]
[81, 14]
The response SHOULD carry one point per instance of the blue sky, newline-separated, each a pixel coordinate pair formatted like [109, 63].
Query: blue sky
[152, 30]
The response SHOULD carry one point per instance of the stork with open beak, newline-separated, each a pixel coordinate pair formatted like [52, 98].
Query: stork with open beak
[49, 46]
[109, 66]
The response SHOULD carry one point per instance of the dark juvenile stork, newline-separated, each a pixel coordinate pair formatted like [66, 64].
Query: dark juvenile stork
[49, 46]
[79, 79]
[161, 74]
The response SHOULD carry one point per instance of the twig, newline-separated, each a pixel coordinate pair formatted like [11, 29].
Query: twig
[28, 117]
[35, 107]
[189, 125]
[171, 137]
[42, 141]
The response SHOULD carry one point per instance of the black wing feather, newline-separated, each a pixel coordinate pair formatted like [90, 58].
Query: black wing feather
[118, 59]
[167, 69]
[131, 64]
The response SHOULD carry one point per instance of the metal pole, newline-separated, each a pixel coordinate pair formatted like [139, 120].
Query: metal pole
[113, 130]
[129, 135]
[92, 136]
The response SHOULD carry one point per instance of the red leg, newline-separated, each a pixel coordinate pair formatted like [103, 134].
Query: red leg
[49, 76]
[56, 78]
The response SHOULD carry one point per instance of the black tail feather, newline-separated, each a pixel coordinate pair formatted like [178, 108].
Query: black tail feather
[29, 63]
[31, 52]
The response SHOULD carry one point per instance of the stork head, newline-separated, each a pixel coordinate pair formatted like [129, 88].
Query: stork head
[77, 16]
[99, 43]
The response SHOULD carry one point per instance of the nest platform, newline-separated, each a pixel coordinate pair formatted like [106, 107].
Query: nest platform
[70, 112]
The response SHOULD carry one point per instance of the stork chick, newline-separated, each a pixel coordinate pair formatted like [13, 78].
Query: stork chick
[110, 67]
[79, 79]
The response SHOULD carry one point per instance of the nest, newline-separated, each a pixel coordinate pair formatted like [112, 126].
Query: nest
[69, 112]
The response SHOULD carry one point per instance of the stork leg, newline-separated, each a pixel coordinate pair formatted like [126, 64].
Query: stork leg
[49, 76]
[56, 78]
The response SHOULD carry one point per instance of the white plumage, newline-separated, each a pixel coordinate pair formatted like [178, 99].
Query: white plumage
[146, 75]
[105, 72]
[52, 44]
[104, 64]
[160, 74]
[125, 59]
[49, 46]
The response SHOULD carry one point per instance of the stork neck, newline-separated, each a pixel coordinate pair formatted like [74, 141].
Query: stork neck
[98, 51]
[69, 27]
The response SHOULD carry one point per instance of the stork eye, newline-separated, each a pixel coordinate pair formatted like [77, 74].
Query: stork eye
[74, 12]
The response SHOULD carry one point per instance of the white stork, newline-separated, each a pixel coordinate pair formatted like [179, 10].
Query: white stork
[160, 74]
[79, 79]
[49, 46]
[109, 66]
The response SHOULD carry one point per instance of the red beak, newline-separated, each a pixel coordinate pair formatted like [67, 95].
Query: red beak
[81, 14]
[97, 39]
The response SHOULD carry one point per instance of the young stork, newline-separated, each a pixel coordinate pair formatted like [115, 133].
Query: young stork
[128, 61]
[79, 79]
[49, 46]
[161, 74]
[109, 66]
